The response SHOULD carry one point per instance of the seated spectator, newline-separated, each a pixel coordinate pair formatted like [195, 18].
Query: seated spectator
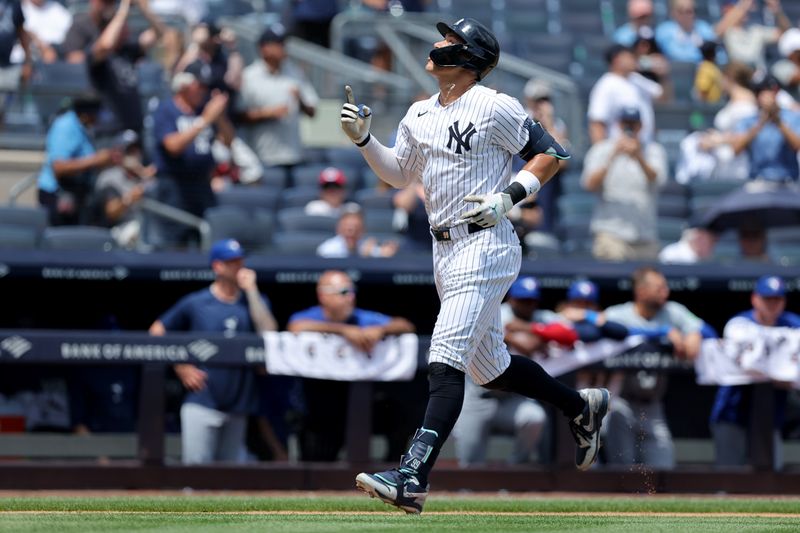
[787, 70]
[332, 194]
[219, 399]
[487, 412]
[101, 39]
[731, 415]
[741, 101]
[744, 40]
[621, 87]
[636, 429]
[709, 154]
[326, 401]
[651, 63]
[65, 180]
[350, 240]
[680, 37]
[695, 245]
[708, 80]
[626, 173]
[752, 239]
[119, 189]
[46, 22]
[771, 138]
[185, 127]
[640, 15]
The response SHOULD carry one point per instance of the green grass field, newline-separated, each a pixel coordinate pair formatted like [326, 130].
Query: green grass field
[349, 513]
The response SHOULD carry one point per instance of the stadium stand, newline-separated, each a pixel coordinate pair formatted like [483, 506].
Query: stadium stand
[252, 227]
[80, 238]
[22, 227]
[295, 219]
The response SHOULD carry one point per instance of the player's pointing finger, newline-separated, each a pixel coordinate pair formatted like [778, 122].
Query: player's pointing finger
[348, 92]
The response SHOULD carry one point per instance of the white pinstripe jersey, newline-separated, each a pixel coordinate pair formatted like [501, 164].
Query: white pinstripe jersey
[461, 149]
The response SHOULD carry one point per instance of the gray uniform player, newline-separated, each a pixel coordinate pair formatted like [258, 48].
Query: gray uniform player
[460, 144]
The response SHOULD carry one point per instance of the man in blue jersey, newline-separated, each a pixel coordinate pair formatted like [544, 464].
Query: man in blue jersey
[326, 401]
[730, 416]
[214, 411]
[185, 128]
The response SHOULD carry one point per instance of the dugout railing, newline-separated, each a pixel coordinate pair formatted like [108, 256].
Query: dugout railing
[149, 470]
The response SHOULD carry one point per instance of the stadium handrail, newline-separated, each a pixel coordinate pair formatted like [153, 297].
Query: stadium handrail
[155, 207]
[19, 188]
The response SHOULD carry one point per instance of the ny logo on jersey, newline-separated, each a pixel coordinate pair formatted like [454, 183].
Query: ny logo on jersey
[461, 137]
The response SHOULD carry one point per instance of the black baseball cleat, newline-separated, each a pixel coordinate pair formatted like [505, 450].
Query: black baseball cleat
[586, 426]
[395, 487]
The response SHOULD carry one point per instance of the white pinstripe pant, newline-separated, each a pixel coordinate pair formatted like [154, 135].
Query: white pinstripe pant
[473, 273]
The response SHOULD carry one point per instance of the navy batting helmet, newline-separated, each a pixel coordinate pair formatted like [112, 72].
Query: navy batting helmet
[479, 52]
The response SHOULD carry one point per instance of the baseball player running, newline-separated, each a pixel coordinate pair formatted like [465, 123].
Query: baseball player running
[459, 144]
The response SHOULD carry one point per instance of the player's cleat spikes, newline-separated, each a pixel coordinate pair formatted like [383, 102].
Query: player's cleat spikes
[586, 426]
[395, 487]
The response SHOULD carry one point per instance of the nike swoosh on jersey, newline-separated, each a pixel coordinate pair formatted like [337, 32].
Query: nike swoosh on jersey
[422, 113]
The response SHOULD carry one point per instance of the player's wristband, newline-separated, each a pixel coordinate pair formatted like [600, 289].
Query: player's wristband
[363, 143]
[525, 183]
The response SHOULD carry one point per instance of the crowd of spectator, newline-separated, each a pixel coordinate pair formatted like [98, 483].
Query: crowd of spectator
[228, 125]
[222, 124]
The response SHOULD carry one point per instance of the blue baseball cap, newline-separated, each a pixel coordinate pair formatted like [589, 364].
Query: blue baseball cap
[770, 286]
[225, 250]
[526, 287]
[583, 290]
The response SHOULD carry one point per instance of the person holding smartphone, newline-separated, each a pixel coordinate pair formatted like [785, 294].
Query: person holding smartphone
[626, 174]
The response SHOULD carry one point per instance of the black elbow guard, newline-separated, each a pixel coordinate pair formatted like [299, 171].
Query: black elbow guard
[540, 142]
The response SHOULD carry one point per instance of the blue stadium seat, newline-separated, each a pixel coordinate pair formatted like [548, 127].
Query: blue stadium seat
[53, 83]
[673, 206]
[298, 196]
[87, 238]
[378, 220]
[250, 197]
[298, 242]
[347, 156]
[21, 227]
[273, 177]
[252, 227]
[295, 219]
[375, 198]
[670, 228]
[576, 204]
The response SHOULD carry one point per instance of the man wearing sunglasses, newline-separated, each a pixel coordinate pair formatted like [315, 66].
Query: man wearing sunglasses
[326, 401]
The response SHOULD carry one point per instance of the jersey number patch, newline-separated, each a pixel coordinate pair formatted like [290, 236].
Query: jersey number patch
[461, 138]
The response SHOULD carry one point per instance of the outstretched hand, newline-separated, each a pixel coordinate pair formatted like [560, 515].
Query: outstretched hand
[355, 119]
